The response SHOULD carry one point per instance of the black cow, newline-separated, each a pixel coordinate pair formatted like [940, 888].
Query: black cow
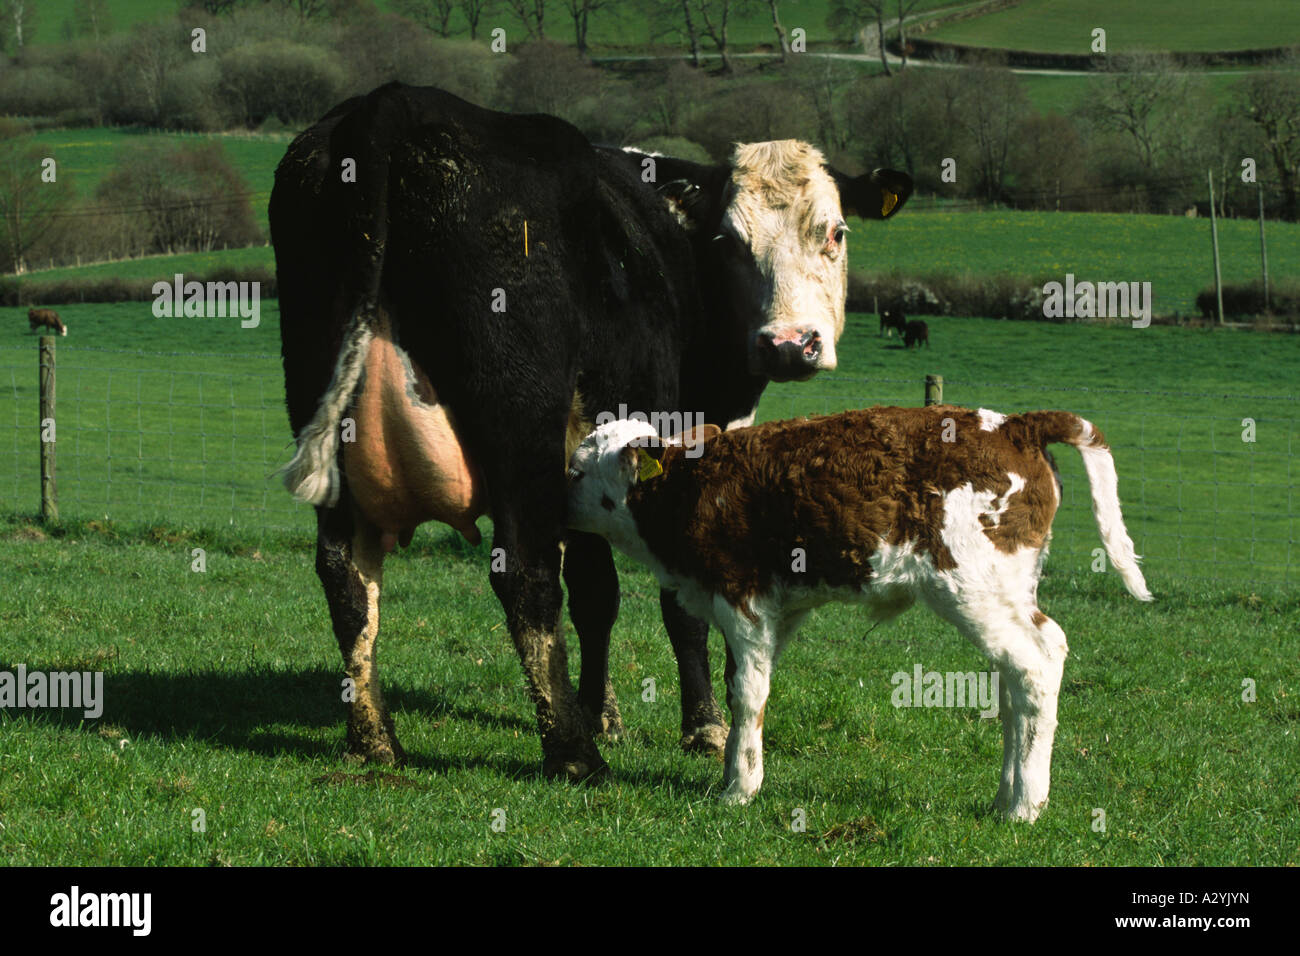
[916, 333]
[472, 289]
[892, 320]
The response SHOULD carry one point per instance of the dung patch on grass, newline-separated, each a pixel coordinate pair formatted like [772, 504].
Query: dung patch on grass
[861, 830]
[338, 778]
[28, 532]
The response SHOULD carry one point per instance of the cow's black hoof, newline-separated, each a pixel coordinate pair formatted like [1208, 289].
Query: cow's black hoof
[705, 739]
[575, 769]
[386, 752]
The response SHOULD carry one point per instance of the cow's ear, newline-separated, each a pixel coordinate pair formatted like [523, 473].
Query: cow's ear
[695, 190]
[876, 195]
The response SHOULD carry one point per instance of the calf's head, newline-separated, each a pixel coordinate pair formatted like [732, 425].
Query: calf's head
[780, 248]
[608, 463]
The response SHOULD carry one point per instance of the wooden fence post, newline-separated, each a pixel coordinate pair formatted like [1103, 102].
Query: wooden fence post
[934, 390]
[49, 490]
[1214, 238]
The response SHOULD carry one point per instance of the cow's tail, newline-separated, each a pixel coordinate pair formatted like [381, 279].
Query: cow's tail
[365, 133]
[1070, 429]
[313, 473]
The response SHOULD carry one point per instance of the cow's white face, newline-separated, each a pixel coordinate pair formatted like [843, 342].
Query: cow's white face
[601, 471]
[784, 250]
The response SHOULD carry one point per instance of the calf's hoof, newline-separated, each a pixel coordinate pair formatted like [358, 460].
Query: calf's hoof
[1022, 812]
[705, 739]
[735, 796]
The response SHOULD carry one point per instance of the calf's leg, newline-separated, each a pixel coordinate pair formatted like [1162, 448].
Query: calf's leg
[751, 652]
[1028, 648]
[349, 563]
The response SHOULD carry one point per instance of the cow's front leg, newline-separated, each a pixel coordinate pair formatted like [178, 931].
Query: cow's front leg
[593, 607]
[529, 591]
[350, 562]
[703, 729]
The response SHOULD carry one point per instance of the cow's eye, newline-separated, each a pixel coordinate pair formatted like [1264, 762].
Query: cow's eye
[839, 234]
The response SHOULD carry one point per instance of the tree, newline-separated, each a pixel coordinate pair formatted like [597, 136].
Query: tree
[853, 15]
[994, 104]
[21, 22]
[714, 17]
[473, 11]
[580, 10]
[1272, 103]
[92, 18]
[782, 40]
[186, 198]
[532, 14]
[29, 207]
[433, 15]
[904, 8]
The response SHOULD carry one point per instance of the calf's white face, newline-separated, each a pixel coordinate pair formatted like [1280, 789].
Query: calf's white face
[601, 471]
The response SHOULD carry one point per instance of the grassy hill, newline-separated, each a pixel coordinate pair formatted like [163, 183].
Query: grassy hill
[1065, 26]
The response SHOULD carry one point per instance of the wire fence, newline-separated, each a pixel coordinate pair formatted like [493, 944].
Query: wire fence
[190, 439]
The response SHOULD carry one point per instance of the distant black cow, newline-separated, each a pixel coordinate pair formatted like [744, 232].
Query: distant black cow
[916, 333]
[45, 318]
[891, 320]
[482, 289]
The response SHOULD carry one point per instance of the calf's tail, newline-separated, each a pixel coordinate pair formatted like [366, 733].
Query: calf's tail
[1070, 429]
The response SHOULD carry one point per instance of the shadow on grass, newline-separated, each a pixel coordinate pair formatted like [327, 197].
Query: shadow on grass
[271, 713]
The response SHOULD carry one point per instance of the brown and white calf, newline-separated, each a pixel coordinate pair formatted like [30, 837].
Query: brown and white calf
[887, 505]
[48, 318]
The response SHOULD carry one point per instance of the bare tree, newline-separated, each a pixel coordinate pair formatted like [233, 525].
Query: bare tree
[434, 15]
[714, 18]
[92, 18]
[1272, 102]
[1135, 99]
[29, 207]
[473, 11]
[905, 8]
[21, 15]
[580, 10]
[855, 15]
[781, 38]
[532, 14]
[994, 104]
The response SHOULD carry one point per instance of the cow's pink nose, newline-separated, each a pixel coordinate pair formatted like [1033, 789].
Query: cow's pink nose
[790, 354]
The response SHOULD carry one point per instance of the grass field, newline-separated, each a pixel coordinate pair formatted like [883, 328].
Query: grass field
[1170, 252]
[1065, 26]
[223, 687]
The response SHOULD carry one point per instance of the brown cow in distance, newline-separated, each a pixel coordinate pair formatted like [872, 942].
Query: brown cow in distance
[48, 318]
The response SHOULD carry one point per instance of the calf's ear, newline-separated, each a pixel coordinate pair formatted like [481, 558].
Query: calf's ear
[878, 194]
[695, 435]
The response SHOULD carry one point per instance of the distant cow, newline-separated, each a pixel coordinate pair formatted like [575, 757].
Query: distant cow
[882, 512]
[892, 320]
[486, 287]
[916, 333]
[48, 318]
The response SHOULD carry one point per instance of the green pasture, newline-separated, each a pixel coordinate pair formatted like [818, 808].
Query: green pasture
[1065, 26]
[223, 686]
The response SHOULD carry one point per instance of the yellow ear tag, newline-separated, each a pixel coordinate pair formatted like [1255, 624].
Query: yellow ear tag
[888, 203]
[649, 467]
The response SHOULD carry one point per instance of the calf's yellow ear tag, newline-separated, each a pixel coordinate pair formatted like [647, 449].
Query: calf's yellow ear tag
[649, 467]
[888, 202]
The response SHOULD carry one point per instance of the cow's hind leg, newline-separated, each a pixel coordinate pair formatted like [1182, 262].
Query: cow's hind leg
[349, 562]
[703, 728]
[593, 607]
